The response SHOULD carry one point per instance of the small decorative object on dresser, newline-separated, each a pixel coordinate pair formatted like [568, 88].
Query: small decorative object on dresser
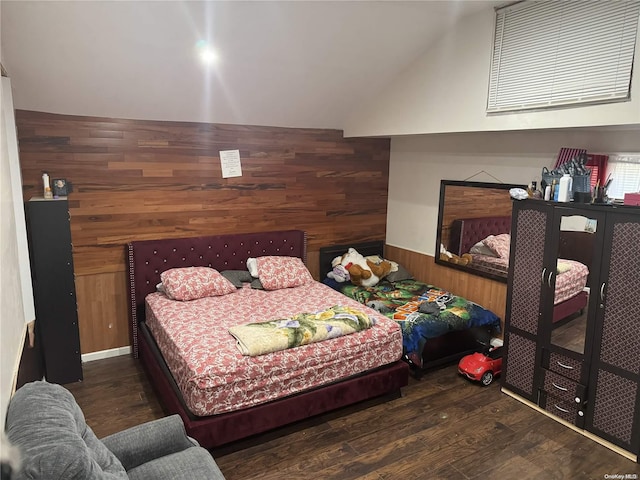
[60, 187]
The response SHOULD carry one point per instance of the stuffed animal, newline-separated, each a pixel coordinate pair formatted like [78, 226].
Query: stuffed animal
[447, 256]
[363, 271]
[340, 274]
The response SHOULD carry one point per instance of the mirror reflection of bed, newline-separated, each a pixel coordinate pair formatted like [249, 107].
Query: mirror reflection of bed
[575, 252]
[472, 214]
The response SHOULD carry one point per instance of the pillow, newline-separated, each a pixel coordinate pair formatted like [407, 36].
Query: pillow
[252, 266]
[257, 284]
[481, 249]
[191, 283]
[237, 277]
[276, 272]
[400, 274]
[499, 244]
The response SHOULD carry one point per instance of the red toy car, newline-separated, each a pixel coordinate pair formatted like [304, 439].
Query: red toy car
[482, 367]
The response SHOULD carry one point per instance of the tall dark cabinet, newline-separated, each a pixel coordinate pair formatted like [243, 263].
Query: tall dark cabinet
[50, 251]
[584, 369]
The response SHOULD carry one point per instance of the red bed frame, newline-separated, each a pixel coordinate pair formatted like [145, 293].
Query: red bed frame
[148, 259]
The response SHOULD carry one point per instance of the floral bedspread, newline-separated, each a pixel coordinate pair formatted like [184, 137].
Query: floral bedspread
[423, 311]
[301, 329]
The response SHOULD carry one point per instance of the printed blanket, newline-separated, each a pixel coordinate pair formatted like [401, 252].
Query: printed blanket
[423, 311]
[265, 337]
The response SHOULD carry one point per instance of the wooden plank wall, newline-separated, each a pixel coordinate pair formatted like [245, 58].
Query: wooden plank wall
[491, 294]
[135, 180]
[469, 202]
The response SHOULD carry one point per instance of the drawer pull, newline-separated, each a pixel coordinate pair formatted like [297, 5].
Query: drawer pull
[559, 387]
[568, 367]
[561, 409]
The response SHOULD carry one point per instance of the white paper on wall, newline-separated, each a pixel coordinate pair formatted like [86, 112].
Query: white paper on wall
[230, 163]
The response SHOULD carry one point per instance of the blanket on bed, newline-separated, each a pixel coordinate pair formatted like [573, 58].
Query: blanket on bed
[423, 311]
[265, 337]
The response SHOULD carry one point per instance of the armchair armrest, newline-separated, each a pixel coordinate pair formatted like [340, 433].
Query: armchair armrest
[149, 441]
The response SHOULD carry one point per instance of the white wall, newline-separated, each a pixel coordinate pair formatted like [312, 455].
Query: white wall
[16, 296]
[446, 91]
[418, 163]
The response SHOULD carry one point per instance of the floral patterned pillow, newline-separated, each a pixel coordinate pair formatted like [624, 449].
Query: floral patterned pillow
[282, 272]
[191, 283]
[499, 244]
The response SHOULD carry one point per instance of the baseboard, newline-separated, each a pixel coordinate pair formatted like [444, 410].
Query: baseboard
[102, 354]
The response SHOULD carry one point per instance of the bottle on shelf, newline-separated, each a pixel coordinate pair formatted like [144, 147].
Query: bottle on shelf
[536, 193]
[564, 193]
[554, 190]
[48, 194]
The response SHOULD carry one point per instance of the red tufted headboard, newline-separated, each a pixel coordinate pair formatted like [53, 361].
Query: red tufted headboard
[466, 232]
[147, 259]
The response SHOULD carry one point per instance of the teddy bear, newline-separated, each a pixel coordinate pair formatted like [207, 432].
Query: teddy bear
[363, 271]
[447, 256]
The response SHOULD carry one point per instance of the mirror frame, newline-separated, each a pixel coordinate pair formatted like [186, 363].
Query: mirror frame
[441, 207]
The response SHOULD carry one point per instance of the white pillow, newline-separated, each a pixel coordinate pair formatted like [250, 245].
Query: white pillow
[481, 249]
[252, 266]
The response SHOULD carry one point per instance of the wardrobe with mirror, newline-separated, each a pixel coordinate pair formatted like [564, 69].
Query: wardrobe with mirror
[572, 327]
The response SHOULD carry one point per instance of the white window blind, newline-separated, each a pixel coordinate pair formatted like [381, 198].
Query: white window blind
[624, 170]
[562, 52]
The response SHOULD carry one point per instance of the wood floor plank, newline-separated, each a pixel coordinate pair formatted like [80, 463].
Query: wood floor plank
[443, 427]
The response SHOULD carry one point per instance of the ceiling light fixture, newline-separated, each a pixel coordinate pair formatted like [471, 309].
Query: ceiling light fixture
[207, 54]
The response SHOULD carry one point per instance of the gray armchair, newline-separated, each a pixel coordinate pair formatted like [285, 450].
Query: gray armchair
[46, 424]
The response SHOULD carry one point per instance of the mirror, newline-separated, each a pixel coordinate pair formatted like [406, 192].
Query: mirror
[469, 213]
[572, 281]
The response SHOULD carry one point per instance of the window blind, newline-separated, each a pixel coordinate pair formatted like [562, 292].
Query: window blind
[555, 53]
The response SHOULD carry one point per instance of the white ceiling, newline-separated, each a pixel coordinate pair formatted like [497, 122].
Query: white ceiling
[292, 64]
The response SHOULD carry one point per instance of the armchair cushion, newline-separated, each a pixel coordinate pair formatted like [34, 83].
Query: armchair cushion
[189, 464]
[146, 442]
[46, 424]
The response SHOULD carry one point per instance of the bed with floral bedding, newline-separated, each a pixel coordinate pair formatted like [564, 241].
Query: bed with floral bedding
[187, 295]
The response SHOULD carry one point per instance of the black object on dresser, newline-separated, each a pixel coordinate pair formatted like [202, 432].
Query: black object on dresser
[54, 291]
[584, 369]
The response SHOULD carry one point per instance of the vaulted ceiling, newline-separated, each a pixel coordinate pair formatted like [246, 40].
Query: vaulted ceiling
[293, 64]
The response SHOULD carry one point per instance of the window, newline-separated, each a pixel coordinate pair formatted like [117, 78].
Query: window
[624, 171]
[557, 53]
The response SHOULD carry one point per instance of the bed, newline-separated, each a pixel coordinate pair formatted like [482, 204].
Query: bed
[487, 240]
[219, 401]
[429, 339]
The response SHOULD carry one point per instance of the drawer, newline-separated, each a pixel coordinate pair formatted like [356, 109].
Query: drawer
[563, 388]
[570, 412]
[564, 365]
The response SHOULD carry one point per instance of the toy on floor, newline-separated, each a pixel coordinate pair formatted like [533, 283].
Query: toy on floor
[482, 367]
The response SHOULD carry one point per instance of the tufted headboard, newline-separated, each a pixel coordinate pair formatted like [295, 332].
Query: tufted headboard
[466, 232]
[147, 259]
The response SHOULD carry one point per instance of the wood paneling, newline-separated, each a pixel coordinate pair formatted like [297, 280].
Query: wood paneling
[469, 202]
[136, 180]
[491, 294]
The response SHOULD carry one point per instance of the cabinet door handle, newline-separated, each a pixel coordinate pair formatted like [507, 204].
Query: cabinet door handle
[568, 367]
[544, 270]
[561, 409]
[549, 279]
[559, 387]
[602, 291]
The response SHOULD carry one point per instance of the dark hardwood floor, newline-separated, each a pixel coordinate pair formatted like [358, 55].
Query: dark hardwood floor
[443, 426]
